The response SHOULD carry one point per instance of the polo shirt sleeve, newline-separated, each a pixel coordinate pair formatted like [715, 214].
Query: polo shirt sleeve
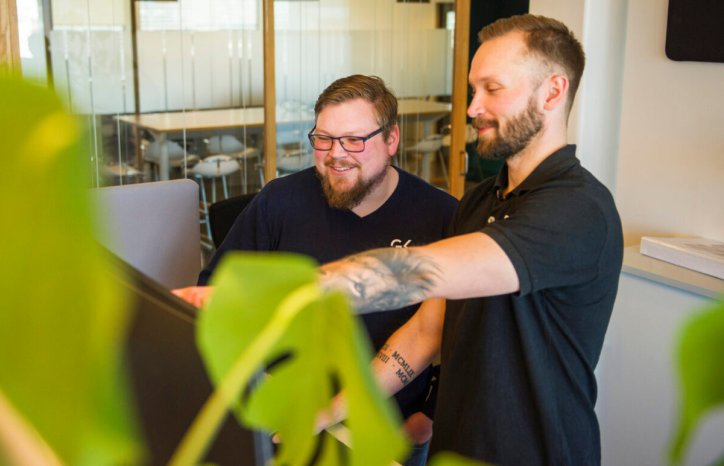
[554, 239]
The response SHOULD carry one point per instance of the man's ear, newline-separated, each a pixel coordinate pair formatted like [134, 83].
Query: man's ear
[393, 140]
[556, 87]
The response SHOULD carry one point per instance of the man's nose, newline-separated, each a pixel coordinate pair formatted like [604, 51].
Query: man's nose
[476, 107]
[337, 150]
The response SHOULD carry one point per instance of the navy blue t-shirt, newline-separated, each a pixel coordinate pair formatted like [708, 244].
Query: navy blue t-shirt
[291, 214]
[517, 385]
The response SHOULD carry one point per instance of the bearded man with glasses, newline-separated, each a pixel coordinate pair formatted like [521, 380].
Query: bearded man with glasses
[352, 200]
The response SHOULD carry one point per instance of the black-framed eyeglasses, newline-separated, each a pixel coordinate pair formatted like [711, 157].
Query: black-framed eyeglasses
[348, 143]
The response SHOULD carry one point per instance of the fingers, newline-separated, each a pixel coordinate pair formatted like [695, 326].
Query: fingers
[195, 295]
[419, 428]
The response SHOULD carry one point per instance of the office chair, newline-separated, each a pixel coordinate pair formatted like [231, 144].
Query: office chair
[223, 214]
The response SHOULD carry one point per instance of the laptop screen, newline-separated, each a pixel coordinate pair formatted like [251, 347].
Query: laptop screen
[168, 378]
[154, 227]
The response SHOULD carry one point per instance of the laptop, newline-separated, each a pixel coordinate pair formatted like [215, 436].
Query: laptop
[168, 379]
[154, 227]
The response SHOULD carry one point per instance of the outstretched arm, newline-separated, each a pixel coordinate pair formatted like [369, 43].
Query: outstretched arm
[464, 266]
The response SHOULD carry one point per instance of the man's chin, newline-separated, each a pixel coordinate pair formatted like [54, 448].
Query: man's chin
[341, 187]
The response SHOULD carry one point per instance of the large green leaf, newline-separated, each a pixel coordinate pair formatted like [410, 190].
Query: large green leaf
[701, 373]
[268, 306]
[61, 322]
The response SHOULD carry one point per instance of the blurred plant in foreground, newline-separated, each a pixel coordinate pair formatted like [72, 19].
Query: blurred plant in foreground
[700, 357]
[62, 323]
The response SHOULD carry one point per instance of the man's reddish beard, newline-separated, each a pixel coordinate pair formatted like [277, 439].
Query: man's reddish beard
[515, 137]
[353, 196]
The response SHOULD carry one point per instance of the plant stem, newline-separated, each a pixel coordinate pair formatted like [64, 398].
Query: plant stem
[203, 430]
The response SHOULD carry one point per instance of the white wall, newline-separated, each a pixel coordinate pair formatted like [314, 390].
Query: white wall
[648, 127]
[671, 159]
[638, 385]
[97, 13]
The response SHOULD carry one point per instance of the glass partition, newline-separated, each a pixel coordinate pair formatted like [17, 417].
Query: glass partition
[175, 89]
[406, 44]
[31, 40]
[163, 86]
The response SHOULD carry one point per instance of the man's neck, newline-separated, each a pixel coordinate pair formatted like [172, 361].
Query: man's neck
[521, 165]
[379, 195]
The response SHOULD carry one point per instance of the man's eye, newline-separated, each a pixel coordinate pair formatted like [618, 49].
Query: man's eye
[323, 138]
[353, 140]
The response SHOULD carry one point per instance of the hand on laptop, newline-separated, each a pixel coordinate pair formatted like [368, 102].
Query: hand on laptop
[196, 295]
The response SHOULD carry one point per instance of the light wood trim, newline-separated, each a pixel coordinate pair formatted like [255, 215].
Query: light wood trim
[9, 43]
[459, 98]
[270, 101]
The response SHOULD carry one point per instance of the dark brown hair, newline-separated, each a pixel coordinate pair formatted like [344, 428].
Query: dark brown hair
[548, 39]
[358, 86]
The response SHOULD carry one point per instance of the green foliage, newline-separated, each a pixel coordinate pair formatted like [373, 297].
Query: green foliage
[266, 307]
[61, 322]
[701, 373]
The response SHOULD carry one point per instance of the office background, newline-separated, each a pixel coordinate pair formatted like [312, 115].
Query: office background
[650, 129]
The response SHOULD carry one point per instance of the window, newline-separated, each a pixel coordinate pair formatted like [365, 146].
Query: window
[198, 15]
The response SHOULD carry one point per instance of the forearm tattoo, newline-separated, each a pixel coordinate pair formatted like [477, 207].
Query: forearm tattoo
[383, 279]
[402, 368]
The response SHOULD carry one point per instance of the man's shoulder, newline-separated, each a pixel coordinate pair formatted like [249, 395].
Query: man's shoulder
[305, 180]
[477, 193]
[579, 189]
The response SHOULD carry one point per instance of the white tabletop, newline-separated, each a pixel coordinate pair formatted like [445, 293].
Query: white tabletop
[200, 120]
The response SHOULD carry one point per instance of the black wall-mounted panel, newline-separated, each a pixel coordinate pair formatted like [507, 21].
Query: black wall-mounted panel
[695, 30]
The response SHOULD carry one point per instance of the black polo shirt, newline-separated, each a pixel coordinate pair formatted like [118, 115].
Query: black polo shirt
[517, 384]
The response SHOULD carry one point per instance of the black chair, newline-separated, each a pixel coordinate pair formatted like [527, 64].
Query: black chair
[222, 215]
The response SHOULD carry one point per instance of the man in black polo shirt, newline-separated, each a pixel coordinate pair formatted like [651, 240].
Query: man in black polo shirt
[530, 274]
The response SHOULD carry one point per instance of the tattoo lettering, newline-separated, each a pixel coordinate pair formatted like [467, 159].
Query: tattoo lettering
[402, 368]
[402, 376]
[381, 354]
[403, 364]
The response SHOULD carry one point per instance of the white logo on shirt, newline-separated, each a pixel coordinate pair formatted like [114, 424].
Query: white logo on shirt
[397, 243]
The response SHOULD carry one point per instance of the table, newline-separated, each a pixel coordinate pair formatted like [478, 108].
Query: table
[160, 125]
[427, 110]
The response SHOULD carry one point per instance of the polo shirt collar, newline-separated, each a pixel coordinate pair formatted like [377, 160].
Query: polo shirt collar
[558, 162]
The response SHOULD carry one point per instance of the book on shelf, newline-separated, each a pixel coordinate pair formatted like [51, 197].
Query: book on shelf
[699, 254]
